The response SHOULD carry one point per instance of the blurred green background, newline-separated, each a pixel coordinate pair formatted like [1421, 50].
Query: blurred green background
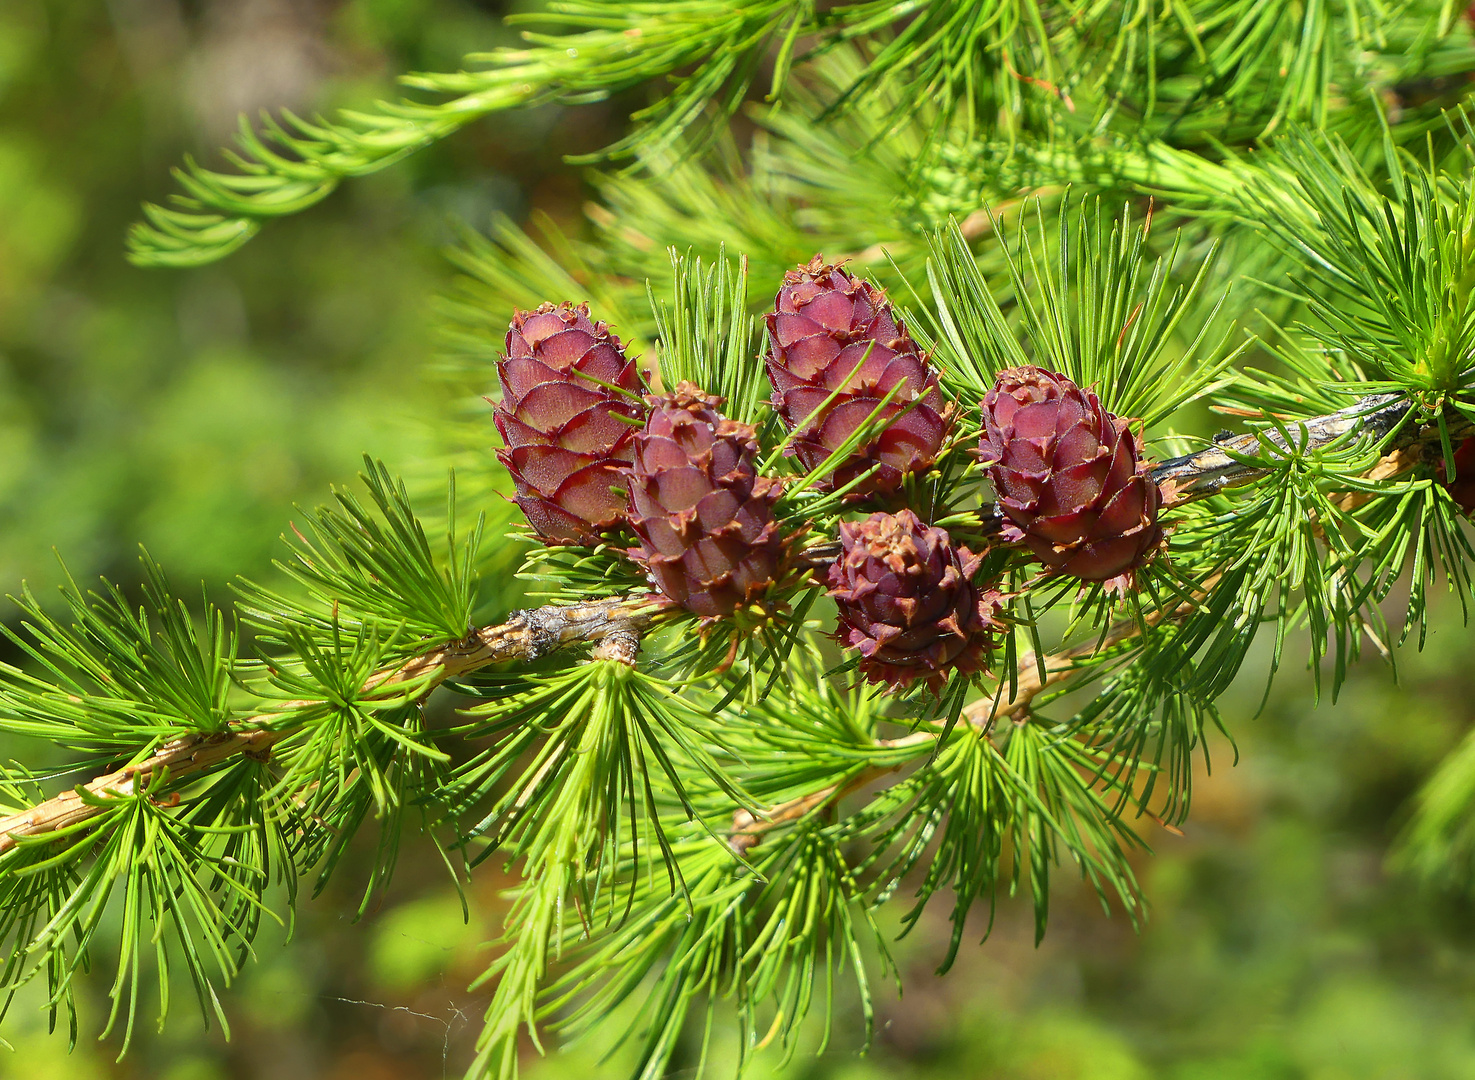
[190, 411]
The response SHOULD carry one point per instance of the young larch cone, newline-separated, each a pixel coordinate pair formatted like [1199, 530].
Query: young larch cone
[567, 428]
[1462, 488]
[1068, 478]
[703, 514]
[908, 603]
[824, 324]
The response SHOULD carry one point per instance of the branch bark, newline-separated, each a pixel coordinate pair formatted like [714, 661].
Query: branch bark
[1209, 471]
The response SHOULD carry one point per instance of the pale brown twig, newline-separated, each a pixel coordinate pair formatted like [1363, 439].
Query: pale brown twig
[1213, 469]
[525, 635]
[981, 716]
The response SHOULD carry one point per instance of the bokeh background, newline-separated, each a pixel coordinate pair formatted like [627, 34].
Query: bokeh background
[189, 412]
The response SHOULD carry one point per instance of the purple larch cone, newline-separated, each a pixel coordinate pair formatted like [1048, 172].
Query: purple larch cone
[569, 407]
[833, 334]
[908, 603]
[703, 514]
[1068, 477]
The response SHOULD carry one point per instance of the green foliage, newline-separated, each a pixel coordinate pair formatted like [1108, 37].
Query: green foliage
[189, 884]
[1091, 317]
[367, 570]
[764, 940]
[1176, 73]
[610, 46]
[719, 829]
[186, 852]
[1395, 273]
[980, 815]
[119, 677]
[622, 739]
[713, 342]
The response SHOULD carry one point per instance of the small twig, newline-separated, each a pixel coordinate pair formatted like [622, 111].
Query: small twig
[981, 716]
[614, 624]
[747, 829]
[1212, 470]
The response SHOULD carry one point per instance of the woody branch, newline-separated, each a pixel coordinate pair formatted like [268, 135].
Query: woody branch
[615, 625]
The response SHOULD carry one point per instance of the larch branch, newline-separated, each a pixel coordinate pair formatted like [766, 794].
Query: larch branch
[1191, 476]
[981, 716]
[614, 626]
